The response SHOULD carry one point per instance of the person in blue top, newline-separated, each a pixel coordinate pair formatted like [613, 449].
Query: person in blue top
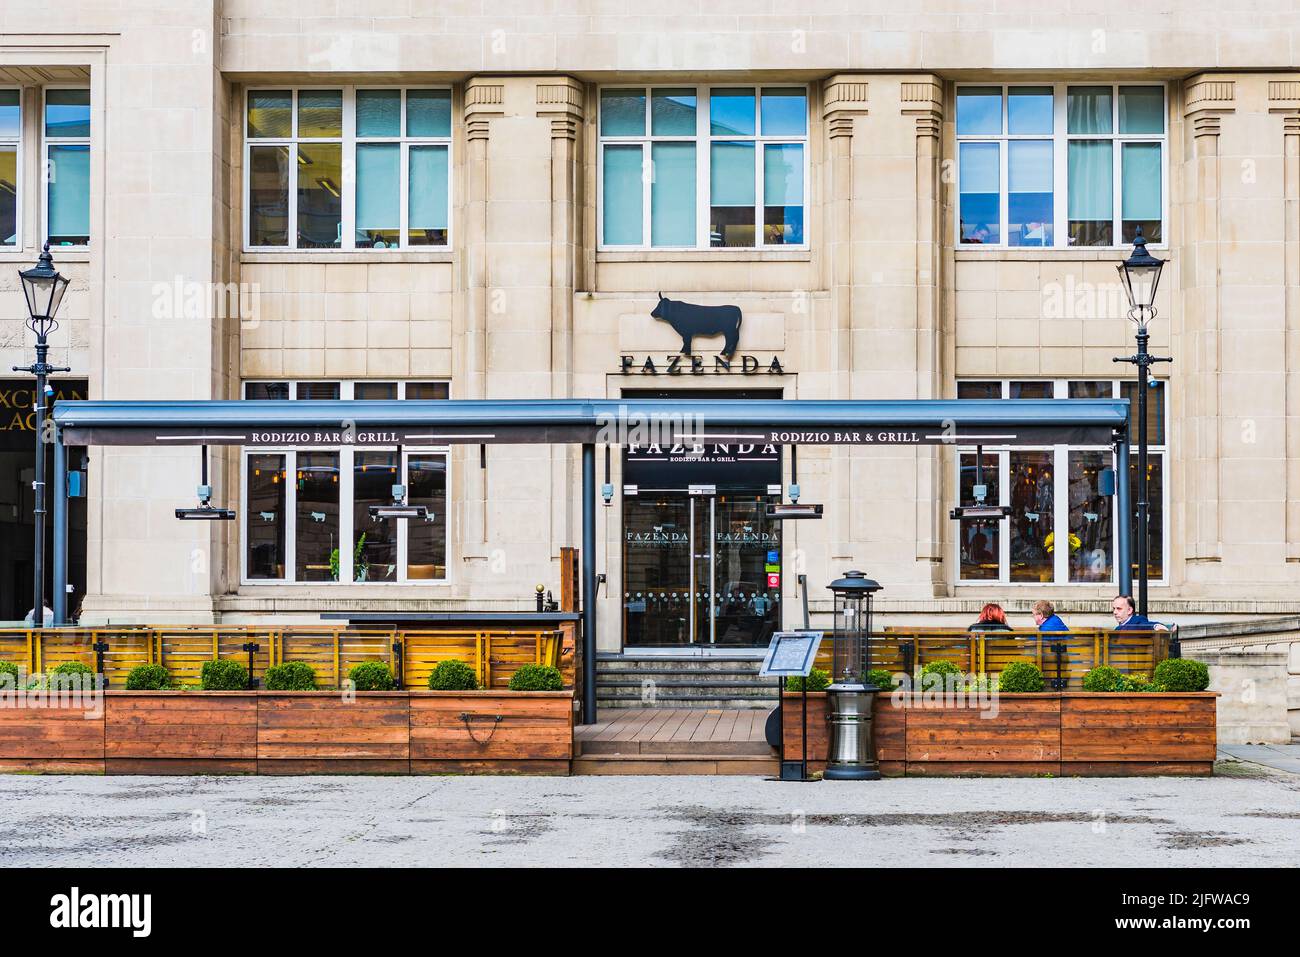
[1126, 616]
[1046, 618]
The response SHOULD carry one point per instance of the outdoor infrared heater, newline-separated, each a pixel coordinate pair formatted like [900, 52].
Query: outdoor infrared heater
[851, 695]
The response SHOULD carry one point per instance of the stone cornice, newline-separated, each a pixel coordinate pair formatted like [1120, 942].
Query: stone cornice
[564, 95]
[483, 96]
[1284, 96]
[844, 95]
[1208, 97]
[922, 99]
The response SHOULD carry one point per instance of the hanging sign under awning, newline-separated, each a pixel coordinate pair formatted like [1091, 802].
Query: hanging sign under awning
[624, 422]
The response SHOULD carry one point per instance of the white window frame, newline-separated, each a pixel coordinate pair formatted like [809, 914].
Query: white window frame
[346, 492]
[1060, 495]
[703, 140]
[348, 142]
[46, 143]
[16, 142]
[1061, 138]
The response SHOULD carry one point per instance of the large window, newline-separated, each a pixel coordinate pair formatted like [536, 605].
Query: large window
[1061, 528]
[348, 168]
[687, 167]
[1060, 164]
[307, 511]
[11, 139]
[67, 166]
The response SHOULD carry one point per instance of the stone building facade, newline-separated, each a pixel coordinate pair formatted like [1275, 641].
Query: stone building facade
[938, 202]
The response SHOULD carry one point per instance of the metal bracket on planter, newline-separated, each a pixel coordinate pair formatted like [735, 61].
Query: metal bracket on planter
[496, 719]
[252, 648]
[99, 648]
[397, 661]
[1061, 680]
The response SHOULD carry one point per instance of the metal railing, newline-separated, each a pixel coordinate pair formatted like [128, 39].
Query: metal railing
[1063, 657]
[412, 654]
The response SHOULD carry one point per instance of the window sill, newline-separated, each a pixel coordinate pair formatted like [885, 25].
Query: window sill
[703, 255]
[1065, 254]
[442, 255]
[70, 254]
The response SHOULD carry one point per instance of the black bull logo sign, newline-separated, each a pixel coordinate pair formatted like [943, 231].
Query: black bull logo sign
[689, 320]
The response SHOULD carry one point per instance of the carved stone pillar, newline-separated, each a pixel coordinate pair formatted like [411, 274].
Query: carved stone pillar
[922, 99]
[844, 100]
[1284, 100]
[1206, 100]
[562, 103]
[483, 103]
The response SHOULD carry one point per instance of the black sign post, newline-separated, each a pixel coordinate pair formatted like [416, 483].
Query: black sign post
[792, 653]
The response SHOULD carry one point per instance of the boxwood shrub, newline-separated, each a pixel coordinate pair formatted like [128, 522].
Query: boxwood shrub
[290, 676]
[881, 678]
[1020, 677]
[1104, 678]
[148, 678]
[9, 674]
[537, 678]
[223, 674]
[818, 680]
[452, 675]
[947, 674]
[69, 676]
[1182, 674]
[372, 676]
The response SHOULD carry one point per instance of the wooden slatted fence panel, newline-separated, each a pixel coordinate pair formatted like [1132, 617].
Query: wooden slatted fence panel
[1136, 734]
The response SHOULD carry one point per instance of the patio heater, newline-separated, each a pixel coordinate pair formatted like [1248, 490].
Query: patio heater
[850, 697]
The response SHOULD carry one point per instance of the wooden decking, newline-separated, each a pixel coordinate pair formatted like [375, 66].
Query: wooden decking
[674, 741]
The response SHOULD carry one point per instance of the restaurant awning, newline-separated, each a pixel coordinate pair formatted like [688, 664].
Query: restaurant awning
[603, 421]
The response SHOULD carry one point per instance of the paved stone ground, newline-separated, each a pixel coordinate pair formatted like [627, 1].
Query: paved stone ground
[1246, 815]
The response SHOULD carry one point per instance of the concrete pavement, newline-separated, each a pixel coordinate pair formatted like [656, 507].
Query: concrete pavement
[1245, 815]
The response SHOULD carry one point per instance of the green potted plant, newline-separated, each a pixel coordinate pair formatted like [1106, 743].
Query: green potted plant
[537, 678]
[360, 565]
[452, 675]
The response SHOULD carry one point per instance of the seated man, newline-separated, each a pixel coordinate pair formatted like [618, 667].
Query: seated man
[1046, 619]
[1126, 616]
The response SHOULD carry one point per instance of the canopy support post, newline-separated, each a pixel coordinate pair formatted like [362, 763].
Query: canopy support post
[60, 531]
[588, 583]
[1123, 515]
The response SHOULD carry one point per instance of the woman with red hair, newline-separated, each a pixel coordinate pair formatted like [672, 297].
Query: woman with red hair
[992, 618]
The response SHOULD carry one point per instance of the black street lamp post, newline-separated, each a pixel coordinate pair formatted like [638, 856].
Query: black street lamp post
[1140, 274]
[44, 288]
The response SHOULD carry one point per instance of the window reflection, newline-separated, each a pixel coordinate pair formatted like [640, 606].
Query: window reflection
[317, 519]
[374, 545]
[980, 538]
[1155, 520]
[265, 516]
[1032, 511]
[426, 545]
[1090, 511]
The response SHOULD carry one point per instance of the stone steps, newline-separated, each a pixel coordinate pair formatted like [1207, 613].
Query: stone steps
[713, 682]
[675, 764]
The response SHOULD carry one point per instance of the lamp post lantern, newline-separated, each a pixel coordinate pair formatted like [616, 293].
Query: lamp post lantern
[1140, 274]
[851, 695]
[44, 288]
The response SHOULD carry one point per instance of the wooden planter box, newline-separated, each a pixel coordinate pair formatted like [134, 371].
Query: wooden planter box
[1073, 733]
[320, 732]
[1022, 738]
[188, 732]
[888, 726]
[295, 732]
[54, 740]
[494, 732]
[1119, 734]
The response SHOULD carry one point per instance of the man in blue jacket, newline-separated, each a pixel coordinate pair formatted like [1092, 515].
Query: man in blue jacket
[1126, 616]
[1046, 618]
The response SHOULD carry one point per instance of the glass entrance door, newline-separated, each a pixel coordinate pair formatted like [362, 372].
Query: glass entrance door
[700, 569]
